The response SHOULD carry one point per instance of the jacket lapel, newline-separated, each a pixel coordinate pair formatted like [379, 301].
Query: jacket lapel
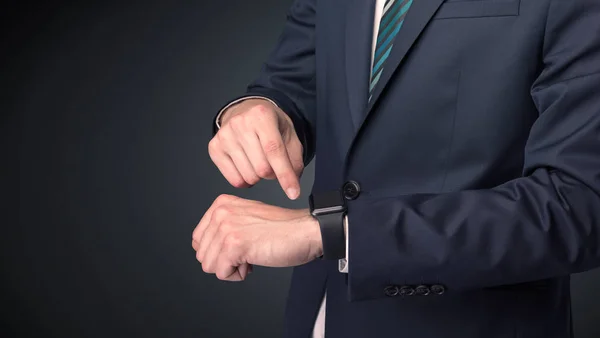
[359, 36]
[415, 21]
[359, 30]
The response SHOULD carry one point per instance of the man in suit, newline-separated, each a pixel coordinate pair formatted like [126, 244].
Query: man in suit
[463, 137]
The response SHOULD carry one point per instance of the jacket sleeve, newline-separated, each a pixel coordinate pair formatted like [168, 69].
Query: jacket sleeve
[288, 76]
[542, 225]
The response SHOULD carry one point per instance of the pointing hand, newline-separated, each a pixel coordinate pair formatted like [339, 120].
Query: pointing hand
[258, 140]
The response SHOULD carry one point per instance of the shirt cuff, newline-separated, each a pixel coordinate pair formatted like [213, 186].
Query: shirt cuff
[218, 119]
[343, 263]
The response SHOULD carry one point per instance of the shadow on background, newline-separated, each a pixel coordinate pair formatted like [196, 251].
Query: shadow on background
[106, 113]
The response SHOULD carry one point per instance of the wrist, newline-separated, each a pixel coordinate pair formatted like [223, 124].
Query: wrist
[329, 209]
[313, 234]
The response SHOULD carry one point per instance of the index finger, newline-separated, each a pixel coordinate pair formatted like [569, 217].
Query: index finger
[277, 156]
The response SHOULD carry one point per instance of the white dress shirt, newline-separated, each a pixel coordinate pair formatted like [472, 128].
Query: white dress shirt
[319, 327]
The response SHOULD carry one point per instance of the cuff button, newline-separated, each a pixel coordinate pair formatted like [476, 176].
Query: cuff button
[438, 289]
[391, 291]
[407, 291]
[422, 290]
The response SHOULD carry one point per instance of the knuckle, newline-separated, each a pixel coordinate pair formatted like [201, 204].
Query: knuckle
[226, 227]
[298, 167]
[253, 179]
[201, 258]
[223, 271]
[213, 145]
[225, 135]
[264, 170]
[232, 241]
[263, 113]
[237, 183]
[237, 121]
[272, 146]
[221, 213]
[224, 199]
[249, 175]
[206, 268]
[220, 275]
[248, 118]
[261, 110]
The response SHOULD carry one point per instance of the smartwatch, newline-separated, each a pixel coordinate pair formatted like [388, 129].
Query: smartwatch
[329, 208]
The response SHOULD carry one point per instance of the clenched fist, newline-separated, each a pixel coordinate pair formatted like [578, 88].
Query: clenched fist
[236, 233]
[258, 140]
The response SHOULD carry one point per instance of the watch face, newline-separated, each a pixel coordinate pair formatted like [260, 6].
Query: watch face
[329, 201]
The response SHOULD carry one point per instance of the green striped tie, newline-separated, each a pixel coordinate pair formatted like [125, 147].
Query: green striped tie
[392, 18]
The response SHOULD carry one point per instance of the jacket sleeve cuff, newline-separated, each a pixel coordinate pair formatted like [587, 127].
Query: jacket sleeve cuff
[301, 125]
[236, 101]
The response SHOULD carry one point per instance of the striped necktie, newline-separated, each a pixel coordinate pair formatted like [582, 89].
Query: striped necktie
[392, 18]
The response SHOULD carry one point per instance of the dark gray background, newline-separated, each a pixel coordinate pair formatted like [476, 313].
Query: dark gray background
[106, 114]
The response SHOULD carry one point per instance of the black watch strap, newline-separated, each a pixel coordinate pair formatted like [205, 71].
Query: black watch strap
[332, 235]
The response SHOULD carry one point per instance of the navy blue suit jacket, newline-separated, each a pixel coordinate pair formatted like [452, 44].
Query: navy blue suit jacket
[478, 160]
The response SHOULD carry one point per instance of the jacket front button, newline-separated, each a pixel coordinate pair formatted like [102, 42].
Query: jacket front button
[391, 291]
[351, 190]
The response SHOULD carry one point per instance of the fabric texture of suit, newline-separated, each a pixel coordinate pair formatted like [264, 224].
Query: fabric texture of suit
[478, 160]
